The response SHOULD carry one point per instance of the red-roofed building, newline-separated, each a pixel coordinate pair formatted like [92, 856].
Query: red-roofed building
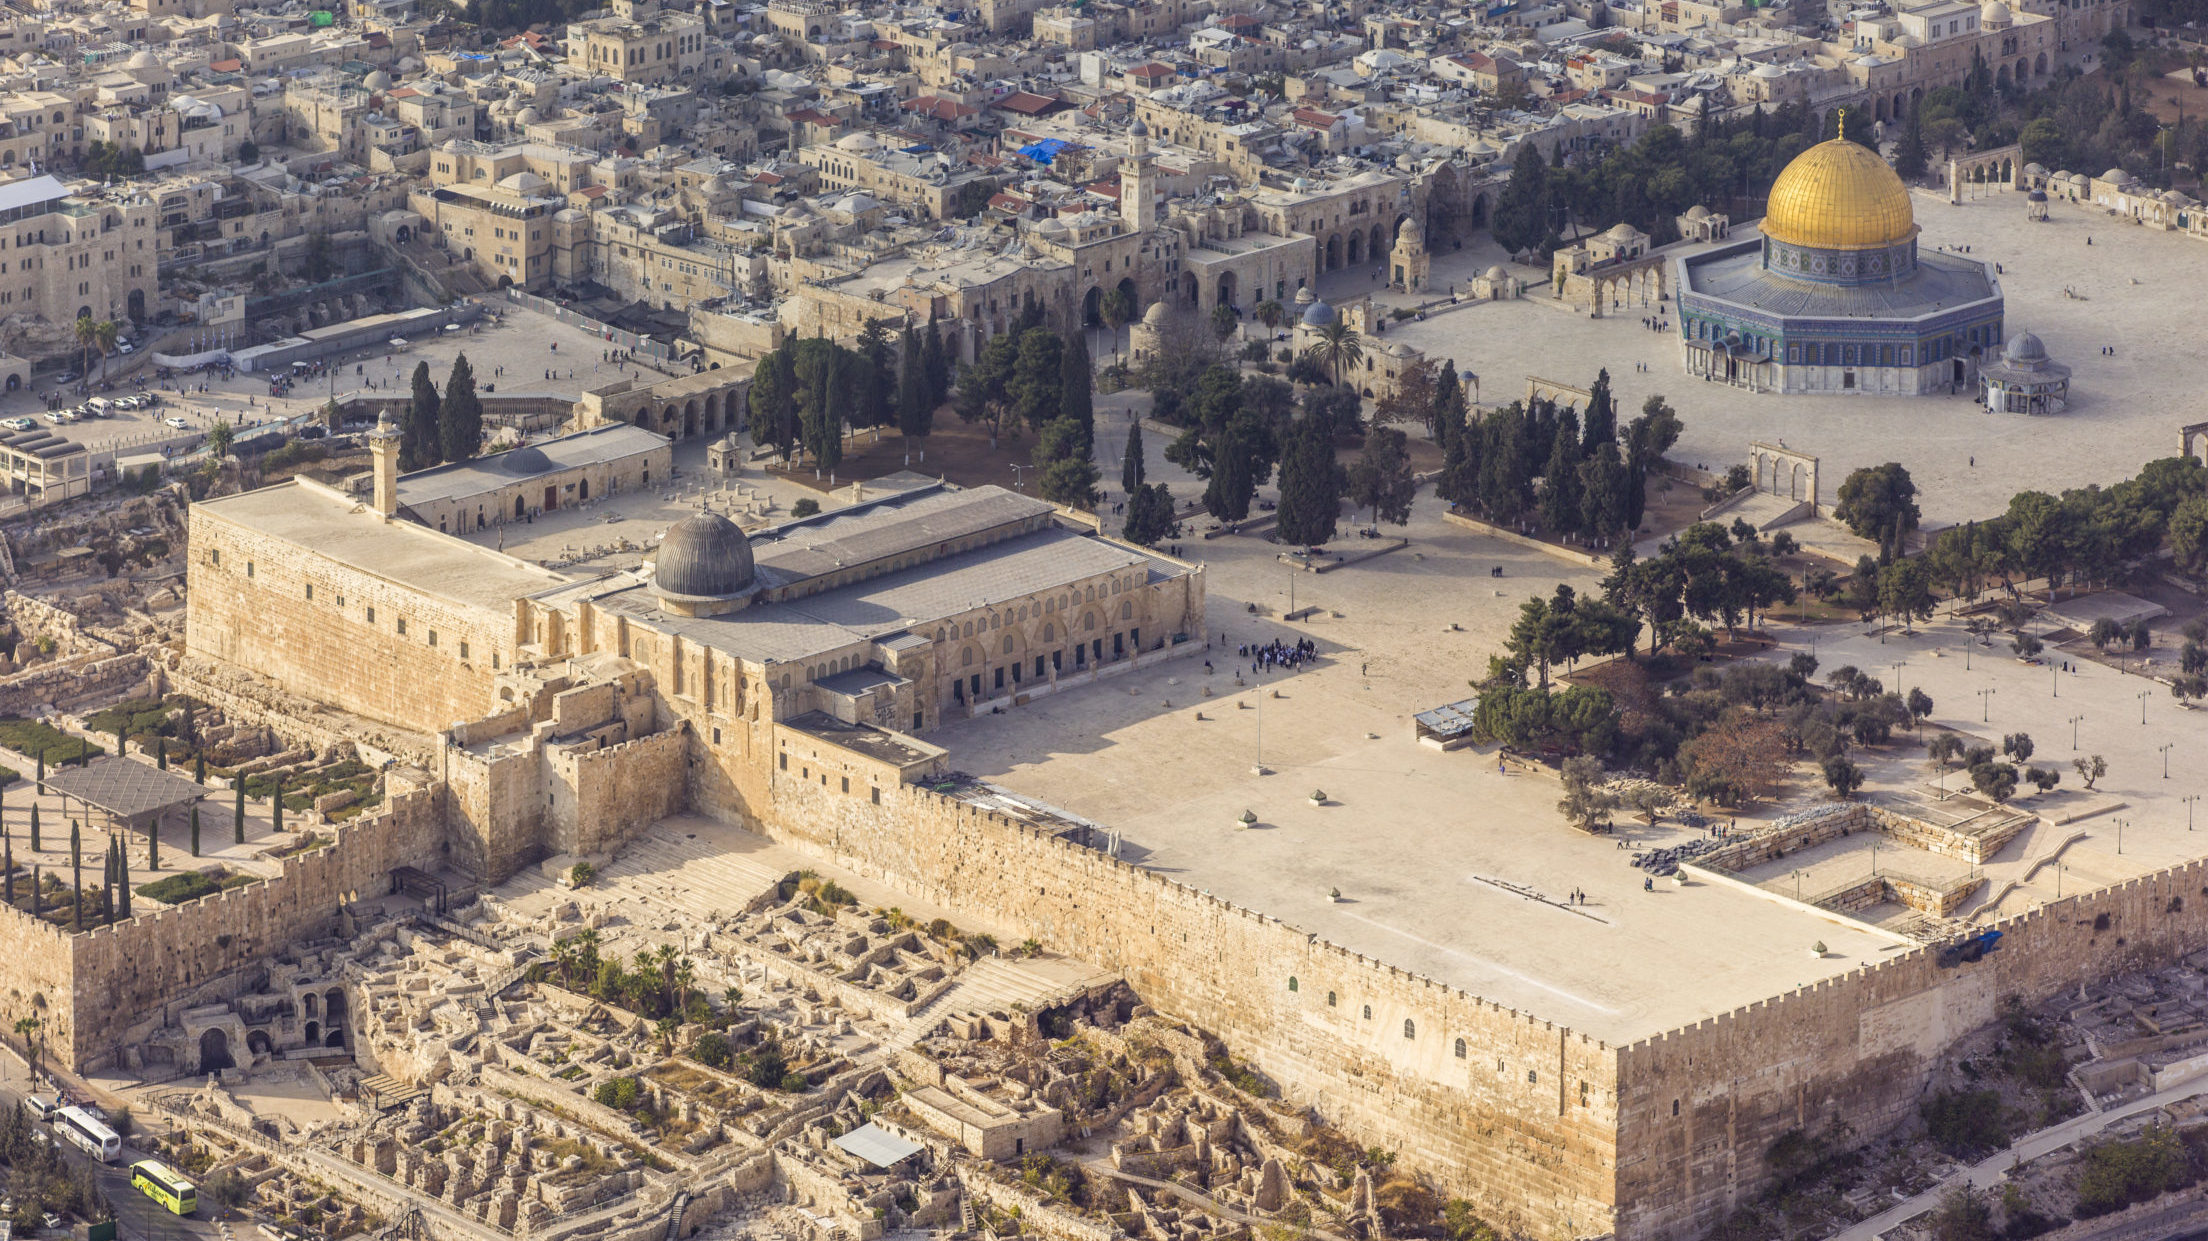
[1027, 103]
[1484, 73]
[1152, 76]
[944, 110]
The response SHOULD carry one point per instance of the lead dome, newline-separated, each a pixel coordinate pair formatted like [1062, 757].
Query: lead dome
[702, 559]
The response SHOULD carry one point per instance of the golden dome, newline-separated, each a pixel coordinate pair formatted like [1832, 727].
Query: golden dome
[1839, 195]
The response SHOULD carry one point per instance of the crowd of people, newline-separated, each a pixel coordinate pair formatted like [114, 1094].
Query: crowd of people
[1279, 654]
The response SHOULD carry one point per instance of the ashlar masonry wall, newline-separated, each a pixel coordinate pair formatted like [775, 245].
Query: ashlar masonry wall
[1512, 1112]
[117, 972]
[1702, 1104]
[332, 632]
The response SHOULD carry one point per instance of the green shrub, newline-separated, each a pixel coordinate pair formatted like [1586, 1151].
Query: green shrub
[795, 1083]
[188, 885]
[619, 1093]
[712, 1051]
[2116, 1174]
[33, 737]
[805, 508]
[1966, 1122]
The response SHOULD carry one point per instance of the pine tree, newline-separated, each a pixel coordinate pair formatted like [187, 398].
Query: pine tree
[1149, 515]
[1382, 480]
[935, 363]
[1450, 409]
[1131, 463]
[774, 402]
[873, 377]
[195, 831]
[1911, 159]
[420, 445]
[1310, 487]
[1035, 377]
[1233, 476]
[460, 420]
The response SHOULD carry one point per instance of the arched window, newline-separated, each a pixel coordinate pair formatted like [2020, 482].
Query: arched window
[1292, 983]
[1330, 999]
[1460, 1049]
[1126, 609]
[1368, 1012]
[1008, 644]
[1409, 1030]
[966, 658]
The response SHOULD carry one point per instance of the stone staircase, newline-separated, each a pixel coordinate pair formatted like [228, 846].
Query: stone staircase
[997, 984]
[384, 1092]
[695, 880]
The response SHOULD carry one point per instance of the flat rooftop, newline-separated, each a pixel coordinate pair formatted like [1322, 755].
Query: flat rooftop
[350, 533]
[483, 475]
[878, 607]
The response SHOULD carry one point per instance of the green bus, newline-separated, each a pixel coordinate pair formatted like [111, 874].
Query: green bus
[160, 1182]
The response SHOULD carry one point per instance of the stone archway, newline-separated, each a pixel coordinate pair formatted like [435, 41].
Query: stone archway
[214, 1052]
[689, 419]
[1356, 247]
[314, 1033]
[258, 1042]
[1092, 307]
[1333, 252]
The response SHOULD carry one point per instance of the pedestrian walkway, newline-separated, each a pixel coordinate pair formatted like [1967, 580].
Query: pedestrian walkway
[1989, 1172]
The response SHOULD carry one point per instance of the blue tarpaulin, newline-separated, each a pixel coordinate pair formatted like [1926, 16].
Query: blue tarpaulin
[1046, 150]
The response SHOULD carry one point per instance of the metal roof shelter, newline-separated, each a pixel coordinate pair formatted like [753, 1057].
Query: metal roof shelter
[1448, 723]
[130, 793]
[878, 1146]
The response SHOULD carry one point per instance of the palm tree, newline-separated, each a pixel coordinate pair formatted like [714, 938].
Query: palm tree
[1115, 309]
[1337, 346]
[1272, 314]
[104, 335]
[28, 1027]
[88, 335]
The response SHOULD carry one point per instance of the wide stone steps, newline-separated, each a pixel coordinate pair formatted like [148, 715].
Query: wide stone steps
[997, 985]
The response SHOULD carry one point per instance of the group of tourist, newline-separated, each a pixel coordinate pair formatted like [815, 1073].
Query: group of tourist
[1655, 323]
[1278, 654]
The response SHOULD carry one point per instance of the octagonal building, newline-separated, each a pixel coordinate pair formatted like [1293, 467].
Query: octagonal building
[1833, 296]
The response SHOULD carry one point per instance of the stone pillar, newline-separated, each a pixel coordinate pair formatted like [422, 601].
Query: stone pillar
[383, 446]
[1954, 183]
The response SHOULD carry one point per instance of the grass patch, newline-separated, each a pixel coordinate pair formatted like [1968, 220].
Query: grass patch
[190, 885]
[35, 738]
[141, 717]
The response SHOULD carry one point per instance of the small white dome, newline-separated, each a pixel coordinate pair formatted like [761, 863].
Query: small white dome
[377, 81]
[523, 182]
[858, 142]
[1994, 16]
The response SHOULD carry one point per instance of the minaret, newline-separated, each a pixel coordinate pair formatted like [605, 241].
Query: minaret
[383, 446]
[1141, 215]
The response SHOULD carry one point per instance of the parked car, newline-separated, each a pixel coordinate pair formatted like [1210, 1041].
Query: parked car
[60, 417]
[177, 421]
[67, 377]
[19, 424]
[124, 402]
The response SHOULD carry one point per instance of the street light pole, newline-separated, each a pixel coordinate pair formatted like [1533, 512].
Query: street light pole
[2166, 758]
[1985, 705]
[2074, 731]
[2143, 696]
[2189, 809]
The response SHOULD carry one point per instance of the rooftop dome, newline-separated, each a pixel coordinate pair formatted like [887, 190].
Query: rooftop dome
[1994, 16]
[1698, 212]
[1157, 315]
[143, 60]
[1319, 315]
[1496, 274]
[377, 80]
[1839, 195]
[1138, 129]
[524, 461]
[702, 557]
[523, 183]
[2116, 176]
[2023, 349]
[528, 116]
[858, 142]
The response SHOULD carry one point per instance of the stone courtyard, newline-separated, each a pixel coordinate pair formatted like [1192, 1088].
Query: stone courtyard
[2132, 293]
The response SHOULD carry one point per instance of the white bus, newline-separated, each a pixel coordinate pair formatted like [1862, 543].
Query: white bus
[81, 1127]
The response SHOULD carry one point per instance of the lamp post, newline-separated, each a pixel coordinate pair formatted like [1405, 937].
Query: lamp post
[2166, 758]
[2189, 800]
[2074, 730]
[2143, 696]
[2059, 868]
[2119, 838]
[2055, 670]
[1985, 705]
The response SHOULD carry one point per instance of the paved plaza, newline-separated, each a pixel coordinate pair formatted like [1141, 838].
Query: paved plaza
[2135, 290]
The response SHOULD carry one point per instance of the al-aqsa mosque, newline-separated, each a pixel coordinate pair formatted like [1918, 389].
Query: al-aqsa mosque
[1834, 296]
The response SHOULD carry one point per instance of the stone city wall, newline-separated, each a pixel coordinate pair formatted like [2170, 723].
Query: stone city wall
[1702, 1104]
[615, 791]
[1510, 1111]
[127, 968]
[304, 622]
[91, 677]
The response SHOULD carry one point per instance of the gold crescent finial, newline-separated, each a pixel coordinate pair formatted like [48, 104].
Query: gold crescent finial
[1842, 130]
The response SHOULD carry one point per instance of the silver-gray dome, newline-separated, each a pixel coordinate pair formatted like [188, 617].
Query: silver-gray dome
[2025, 347]
[525, 461]
[1319, 315]
[703, 556]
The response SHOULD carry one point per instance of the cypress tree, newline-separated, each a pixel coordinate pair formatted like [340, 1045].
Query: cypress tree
[76, 875]
[1560, 482]
[915, 413]
[195, 831]
[41, 787]
[160, 752]
[36, 895]
[460, 419]
[7, 871]
[936, 365]
[122, 881]
[276, 807]
[199, 769]
[107, 885]
[1077, 388]
[34, 828]
[1130, 465]
[420, 446]
[1602, 417]
[240, 786]
[153, 844]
